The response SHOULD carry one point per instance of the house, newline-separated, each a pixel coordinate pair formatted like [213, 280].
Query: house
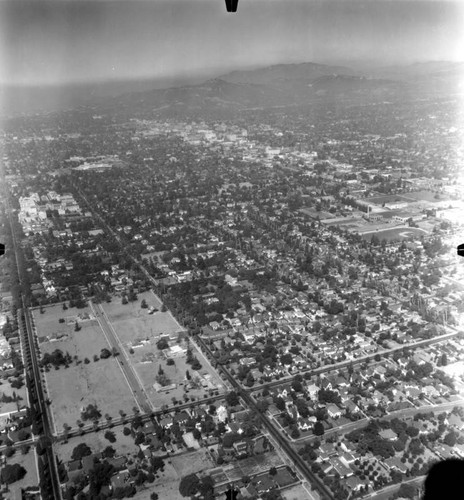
[166, 422]
[74, 477]
[88, 462]
[340, 468]
[351, 406]
[326, 384]
[430, 391]
[412, 392]
[304, 424]
[334, 411]
[312, 390]
[121, 479]
[388, 434]
[394, 463]
[354, 483]
[241, 449]
[181, 418]
[117, 462]
[326, 450]
[148, 428]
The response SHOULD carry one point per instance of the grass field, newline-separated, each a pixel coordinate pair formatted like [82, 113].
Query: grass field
[388, 198]
[134, 324]
[424, 196]
[70, 389]
[30, 479]
[124, 445]
[7, 390]
[192, 462]
[397, 234]
[296, 492]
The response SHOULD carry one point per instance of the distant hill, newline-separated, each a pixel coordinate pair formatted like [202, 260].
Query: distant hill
[227, 95]
[280, 74]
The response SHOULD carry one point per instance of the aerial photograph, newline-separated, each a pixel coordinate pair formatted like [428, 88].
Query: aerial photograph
[231, 265]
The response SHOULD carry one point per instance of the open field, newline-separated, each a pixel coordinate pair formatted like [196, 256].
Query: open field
[133, 324]
[124, 445]
[396, 234]
[388, 198]
[192, 462]
[7, 390]
[167, 482]
[30, 479]
[296, 492]
[139, 333]
[101, 382]
[424, 196]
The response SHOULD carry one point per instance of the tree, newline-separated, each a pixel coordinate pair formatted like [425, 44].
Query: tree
[80, 451]
[91, 413]
[295, 434]
[12, 473]
[109, 452]
[407, 490]
[250, 380]
[162, 344]
[163, 308]
[154, 496]
[272, 471]
[189, 485]
[143, 304]
[318, 428]
[105, 353]
[450, 439]
[9, 451]
[111, 436]
[232, 399]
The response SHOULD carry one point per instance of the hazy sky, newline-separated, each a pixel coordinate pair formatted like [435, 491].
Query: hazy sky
[60, 41]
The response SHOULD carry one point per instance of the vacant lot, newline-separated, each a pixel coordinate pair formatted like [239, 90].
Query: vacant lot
[134, 324]
[167, 482]
[296, 492]
[397, 234]
[388, 198]
[192, 462]
[97, 382]
[30, 479]
[96, 441]
[9, 392]
[424, 196]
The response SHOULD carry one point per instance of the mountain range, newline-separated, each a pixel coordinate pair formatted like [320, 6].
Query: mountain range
[278, 85]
